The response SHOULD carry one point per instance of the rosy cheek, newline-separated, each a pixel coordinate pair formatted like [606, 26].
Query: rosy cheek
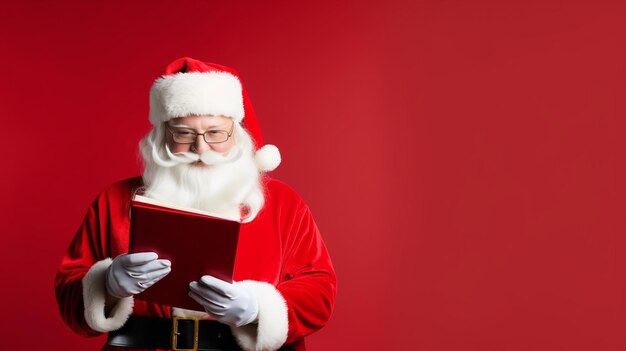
[223, 147]
[179, 147]
[219, 148]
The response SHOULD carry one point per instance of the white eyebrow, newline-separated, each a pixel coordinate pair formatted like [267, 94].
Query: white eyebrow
[180, 126]
[188, 127]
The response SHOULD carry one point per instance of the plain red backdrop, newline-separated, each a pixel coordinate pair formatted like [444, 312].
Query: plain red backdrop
[463, 159]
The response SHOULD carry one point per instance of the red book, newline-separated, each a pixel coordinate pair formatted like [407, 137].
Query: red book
[195, 242]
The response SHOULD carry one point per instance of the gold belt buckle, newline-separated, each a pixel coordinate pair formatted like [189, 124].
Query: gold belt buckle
[175, 333]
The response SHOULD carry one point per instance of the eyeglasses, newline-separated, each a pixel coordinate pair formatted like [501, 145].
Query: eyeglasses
[188, 136]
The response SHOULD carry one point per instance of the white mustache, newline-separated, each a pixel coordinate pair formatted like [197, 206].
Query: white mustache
[208, 157]
[211, 157]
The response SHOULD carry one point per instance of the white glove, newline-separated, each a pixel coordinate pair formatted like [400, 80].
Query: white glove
[130, 274]
[227, 303]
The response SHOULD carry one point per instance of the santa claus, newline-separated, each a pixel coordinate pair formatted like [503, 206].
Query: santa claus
[205, 151]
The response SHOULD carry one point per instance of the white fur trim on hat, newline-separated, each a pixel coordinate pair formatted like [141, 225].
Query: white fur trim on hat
[196, 93]
[270, 333]
[94, 297]
[267, 158]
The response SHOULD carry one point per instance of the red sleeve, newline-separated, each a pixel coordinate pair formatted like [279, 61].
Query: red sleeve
[308, 281]
[79, 283]
[83, 252]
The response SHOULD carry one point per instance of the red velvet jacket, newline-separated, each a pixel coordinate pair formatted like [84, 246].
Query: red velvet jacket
[281, 257]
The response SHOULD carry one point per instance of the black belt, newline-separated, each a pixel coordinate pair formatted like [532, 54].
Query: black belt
[173, 334]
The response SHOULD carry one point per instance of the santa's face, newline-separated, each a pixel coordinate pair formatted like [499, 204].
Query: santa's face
[211, 125]
[220, 177]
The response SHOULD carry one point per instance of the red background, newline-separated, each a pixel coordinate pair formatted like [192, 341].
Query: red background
[464, 159]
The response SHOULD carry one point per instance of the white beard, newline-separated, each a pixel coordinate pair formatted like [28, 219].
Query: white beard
[223, 185]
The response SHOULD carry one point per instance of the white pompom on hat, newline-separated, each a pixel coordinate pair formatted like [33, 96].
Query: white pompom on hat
[191, 87]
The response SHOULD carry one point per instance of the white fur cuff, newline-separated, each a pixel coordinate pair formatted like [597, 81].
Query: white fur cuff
[271, 331]
[94, 297]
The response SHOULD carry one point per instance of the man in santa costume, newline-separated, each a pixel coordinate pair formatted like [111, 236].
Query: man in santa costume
[205, 151]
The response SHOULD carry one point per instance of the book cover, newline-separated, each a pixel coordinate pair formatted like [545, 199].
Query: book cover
[195, 242]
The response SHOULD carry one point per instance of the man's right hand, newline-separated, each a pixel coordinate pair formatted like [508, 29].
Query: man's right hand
[130, 274]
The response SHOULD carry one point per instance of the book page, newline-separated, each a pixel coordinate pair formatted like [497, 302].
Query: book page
[147, 200]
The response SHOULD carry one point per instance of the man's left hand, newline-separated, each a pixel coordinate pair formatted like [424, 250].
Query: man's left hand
[228, 303]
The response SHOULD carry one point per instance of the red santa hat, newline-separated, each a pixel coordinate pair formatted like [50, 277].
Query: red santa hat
[191, 87]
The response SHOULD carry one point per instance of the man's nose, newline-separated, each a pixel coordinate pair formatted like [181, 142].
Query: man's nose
[200, 145]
